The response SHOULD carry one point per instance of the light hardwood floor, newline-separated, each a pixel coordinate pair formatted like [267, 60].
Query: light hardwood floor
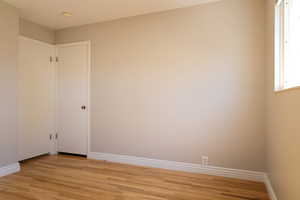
[75, 178]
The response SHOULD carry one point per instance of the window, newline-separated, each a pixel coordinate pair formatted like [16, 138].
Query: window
[287, 44]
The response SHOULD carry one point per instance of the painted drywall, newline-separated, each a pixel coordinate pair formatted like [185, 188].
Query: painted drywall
[180, 84]
[36, 31]
[9, 26]
[283, 127]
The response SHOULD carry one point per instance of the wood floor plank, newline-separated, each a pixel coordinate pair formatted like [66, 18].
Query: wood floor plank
[65, 177]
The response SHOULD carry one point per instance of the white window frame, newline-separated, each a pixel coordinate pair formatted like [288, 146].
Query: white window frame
[281, 45]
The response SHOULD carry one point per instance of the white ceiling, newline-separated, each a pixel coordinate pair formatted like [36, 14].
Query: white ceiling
[48, 12]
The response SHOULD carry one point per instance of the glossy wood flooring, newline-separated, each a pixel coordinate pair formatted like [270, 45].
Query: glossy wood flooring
[74, 178]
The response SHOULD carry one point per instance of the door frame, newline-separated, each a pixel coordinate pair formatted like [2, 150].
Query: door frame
[88, 43]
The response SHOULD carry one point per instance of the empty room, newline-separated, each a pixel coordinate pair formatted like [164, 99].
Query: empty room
[150, 99]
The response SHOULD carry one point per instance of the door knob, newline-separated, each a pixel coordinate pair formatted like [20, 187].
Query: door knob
[83, 107]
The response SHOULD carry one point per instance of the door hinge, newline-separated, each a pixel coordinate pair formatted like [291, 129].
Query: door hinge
[51, 59]
[56, 59]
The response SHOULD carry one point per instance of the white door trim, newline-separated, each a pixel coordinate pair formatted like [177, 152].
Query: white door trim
[88, 43]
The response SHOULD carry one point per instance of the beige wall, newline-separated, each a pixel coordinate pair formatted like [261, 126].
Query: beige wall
[9, 29]
[36, 31]
[283, 139]
[180, 84]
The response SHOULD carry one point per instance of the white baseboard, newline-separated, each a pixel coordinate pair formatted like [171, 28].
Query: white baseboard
[270, 188]
[9, 169]
[180, 166]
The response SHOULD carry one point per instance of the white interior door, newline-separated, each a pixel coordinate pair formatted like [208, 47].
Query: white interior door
[36, 97]
[73, 83]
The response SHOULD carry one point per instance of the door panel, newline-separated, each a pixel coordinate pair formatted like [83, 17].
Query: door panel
[72, 72]
[36, 96]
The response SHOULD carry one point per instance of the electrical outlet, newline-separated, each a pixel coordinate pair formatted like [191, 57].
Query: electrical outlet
[204, 161]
